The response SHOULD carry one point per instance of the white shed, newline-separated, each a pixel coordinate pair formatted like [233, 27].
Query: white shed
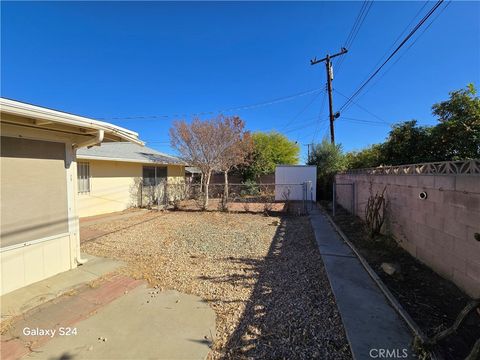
[291, 178]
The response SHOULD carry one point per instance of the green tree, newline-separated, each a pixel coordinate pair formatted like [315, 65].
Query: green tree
[457, 136]
[270, 149]
[407, 143]
[365, 158]
[329, 159]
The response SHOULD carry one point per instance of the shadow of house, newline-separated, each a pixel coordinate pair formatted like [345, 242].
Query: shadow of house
[291, 312]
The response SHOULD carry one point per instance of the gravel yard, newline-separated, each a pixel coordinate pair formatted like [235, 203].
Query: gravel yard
[263, 276]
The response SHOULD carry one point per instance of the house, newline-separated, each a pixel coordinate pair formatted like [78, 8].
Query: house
[39, 219]
[116, 176]
[192, 174]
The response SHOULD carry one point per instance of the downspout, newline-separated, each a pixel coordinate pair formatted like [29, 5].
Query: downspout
[97, 140]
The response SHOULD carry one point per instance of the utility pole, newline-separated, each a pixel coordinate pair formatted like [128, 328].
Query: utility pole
[328, 64]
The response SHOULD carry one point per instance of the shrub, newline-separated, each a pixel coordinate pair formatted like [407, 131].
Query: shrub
[329, 160]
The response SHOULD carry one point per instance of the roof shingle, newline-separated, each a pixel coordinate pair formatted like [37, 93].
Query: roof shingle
[124, 151]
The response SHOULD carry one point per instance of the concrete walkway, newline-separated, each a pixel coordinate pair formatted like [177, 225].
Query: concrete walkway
[371, 324]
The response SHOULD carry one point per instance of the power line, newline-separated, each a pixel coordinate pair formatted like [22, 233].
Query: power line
[358, 22]
[302, 111]
[305, 125]
[362, 108]
[409, 46]
[362, 14]
[364, 121]
[401, 34]
[412, 32]
[238, 108]
[319, 116]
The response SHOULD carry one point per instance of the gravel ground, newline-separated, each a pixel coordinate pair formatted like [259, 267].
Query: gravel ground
[263, 276]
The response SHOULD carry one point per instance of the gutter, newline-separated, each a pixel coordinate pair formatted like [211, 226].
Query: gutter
[97, 140]
[32, 111]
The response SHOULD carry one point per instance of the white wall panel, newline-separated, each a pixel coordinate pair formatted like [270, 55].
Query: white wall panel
[290, 177]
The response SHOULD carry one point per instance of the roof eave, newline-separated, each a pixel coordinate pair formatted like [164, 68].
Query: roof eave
[37, 112]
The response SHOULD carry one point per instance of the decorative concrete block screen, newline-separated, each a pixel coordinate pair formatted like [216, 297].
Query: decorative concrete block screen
[433, 212]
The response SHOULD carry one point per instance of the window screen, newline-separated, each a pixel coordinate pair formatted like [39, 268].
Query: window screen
[149, 175]
[83, 177]
[33, 190]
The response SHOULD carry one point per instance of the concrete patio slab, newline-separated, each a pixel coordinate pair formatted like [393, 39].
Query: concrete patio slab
[139, 325]
[31, 296]
[370, 322]
[61, 312]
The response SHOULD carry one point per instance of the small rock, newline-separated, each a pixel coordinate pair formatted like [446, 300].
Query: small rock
[90, 348]
[390, 268]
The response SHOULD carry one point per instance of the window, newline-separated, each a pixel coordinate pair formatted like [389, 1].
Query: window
[149, 175]
[83, 176]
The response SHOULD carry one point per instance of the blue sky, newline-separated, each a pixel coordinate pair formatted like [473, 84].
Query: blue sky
[122, 59]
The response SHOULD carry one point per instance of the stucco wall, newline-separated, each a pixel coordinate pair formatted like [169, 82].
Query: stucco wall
[116, 186]
[439, 230]
[175, 174]
[113, 187]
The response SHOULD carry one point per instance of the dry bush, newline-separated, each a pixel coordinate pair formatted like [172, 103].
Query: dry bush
[375, 212]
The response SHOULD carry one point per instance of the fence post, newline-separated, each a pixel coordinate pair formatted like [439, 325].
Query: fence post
[304, 193]
[333, 201]
[312, 202]
[165, 193]
[353, 199]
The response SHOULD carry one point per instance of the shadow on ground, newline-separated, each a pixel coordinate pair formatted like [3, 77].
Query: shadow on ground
[291, 312]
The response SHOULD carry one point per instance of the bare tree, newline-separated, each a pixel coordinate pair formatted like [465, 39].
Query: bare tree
[236, 145]
[211, 145]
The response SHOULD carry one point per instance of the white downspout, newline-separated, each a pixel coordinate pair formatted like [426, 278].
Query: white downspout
[97, 140]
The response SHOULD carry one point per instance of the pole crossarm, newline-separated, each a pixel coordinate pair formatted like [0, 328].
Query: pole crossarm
[315, 61]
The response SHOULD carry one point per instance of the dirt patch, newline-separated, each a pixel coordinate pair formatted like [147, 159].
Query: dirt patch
[432, 301]
[263, 276]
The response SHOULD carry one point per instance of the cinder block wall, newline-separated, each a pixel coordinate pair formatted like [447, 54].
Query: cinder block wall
[439, 230]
